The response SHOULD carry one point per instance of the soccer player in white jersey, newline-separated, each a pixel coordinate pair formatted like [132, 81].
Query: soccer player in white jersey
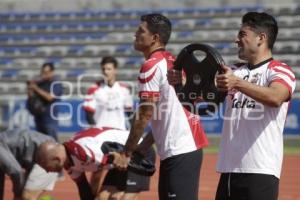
[85, 151]
[178, 134]
[251, 148]
[106, 102]
[106, 105]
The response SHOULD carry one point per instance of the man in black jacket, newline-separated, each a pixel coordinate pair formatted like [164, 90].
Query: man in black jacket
[42, 96]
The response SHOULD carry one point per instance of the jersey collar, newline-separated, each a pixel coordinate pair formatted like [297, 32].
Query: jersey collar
[69, 156]
[156, 50]
[251, 67]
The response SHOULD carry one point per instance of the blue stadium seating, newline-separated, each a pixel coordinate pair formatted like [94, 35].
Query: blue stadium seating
[75, 72]
[10, 73]
[76, 41]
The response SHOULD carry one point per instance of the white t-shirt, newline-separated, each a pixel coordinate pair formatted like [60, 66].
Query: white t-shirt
[109, 104]
[175, 130]
[252, 136]
[85, 151]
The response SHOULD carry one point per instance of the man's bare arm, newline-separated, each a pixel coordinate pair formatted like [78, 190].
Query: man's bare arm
[142, 117]
[95, 181]
[273, 95]
[146, 144]
[46, 95]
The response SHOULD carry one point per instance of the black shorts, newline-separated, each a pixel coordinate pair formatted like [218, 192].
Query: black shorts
[179, 176]
[248, 186]
[128, 181]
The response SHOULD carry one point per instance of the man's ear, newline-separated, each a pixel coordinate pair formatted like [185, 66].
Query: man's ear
[156, 38]
[263, 38]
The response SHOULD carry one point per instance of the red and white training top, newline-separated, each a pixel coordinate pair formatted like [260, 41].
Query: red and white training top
[175, 130]
[109, 104]
[84, 149]
[252, 136]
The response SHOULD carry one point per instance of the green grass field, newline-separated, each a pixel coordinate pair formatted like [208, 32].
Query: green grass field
[291, 145]
[288, 150]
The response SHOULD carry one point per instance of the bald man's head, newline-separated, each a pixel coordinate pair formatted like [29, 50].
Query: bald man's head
[51, 156]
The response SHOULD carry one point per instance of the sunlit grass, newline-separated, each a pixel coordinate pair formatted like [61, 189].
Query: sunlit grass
[288, 150]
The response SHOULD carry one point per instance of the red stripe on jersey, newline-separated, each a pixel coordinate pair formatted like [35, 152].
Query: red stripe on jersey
[92, 154]
[199, 136]
[89, 109]
[76, 150]
[276, 63]
[91, 132]
[155, 58]
[149, 64]
[149, 78]
[285, 73]
[169, 58]
[149, 95]
[93, 88]
[124, 85]
[283, 65]
[284, 83]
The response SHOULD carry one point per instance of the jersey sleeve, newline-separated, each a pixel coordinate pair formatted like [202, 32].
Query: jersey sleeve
[89, 103]
[82, 157]
[128, 99]
[282, 73]
[150, 79]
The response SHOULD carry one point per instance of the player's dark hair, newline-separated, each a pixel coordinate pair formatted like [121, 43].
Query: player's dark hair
[109, 59]
[158, 24]
[262, 23]
[48, 64]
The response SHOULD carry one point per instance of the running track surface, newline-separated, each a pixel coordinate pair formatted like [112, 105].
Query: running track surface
[289, 184]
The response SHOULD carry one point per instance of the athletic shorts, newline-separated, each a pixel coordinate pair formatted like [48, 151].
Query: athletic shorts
[179, 176]
[39, 179]
[128, 181]
[248, 186]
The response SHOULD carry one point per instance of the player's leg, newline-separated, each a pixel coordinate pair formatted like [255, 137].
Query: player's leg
[47, 129]
[95, 182]
[137, 183]
[109, 192]
[223, 187]
[130, 196]
[113, 185]
[31, 194]
[51, 130]
[179, 177]
[253, 186]
[38, 181]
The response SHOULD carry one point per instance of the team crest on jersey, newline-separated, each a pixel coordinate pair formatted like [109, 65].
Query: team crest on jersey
[255, 78]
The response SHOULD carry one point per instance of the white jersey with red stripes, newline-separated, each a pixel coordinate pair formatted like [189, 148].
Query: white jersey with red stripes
[252, 136]
[109, 104]
[175, 130]
[84, 149]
